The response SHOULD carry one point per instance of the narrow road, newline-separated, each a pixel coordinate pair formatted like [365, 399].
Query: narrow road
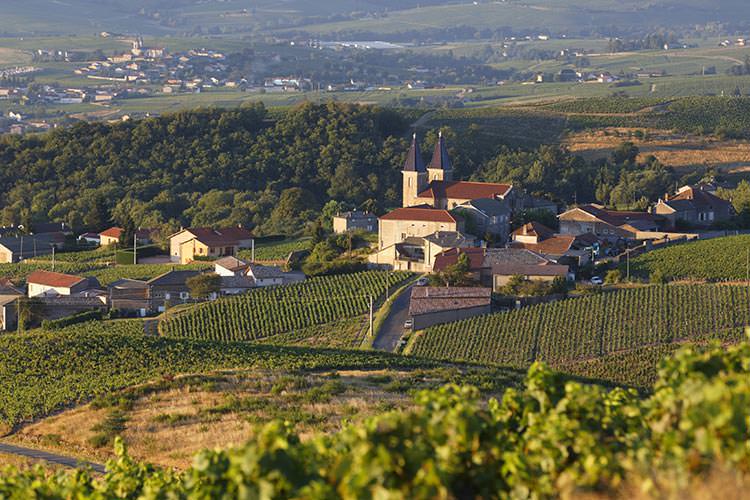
[50, 457]
[393, 326]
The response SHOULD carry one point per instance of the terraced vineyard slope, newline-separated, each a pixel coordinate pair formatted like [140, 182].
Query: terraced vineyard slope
[594, 327]
[271, 311]
[715, 260]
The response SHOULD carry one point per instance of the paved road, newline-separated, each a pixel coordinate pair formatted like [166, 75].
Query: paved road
[393, 326]
[49, 457]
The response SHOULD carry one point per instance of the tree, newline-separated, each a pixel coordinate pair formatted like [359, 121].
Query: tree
[203, 286]
[457, 274]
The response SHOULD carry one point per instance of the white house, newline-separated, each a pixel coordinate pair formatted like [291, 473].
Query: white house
[265, 275]
[51, 284]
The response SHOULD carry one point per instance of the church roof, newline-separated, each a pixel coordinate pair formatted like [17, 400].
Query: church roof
[440, 159]
[420, 214]
[462, 190]
[414, 161]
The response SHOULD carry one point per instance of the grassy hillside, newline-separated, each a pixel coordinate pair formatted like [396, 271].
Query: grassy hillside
[716, 260]
[576, 330]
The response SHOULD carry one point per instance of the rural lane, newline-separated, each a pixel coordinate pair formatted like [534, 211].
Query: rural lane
[393, 326]
[49, 457]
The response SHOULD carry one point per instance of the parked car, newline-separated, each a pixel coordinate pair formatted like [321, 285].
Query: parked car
[422, 282]
[408, 324]
[597, 280]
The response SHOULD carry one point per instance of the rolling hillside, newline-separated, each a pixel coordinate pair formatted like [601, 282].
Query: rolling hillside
[357, 16]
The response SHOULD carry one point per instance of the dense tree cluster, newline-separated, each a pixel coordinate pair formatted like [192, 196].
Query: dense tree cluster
[205, 167]
[620, 181]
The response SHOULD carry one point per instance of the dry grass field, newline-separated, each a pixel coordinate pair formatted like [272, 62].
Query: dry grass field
[168, 422]
[676, 150]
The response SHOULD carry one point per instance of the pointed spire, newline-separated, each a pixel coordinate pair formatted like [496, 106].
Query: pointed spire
[414, 161]
[440, 160]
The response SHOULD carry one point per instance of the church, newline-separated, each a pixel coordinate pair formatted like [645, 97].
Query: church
[433, 185]
[439, 213]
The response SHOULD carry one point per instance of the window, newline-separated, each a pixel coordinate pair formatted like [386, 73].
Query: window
[184, 295]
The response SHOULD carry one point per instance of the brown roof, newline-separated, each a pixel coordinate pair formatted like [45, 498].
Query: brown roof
[464, 190]
[50, 278]
[223, 236]
[529, 270]
[615, 217]
[450, 257]
[699, 198]
[420, 214]
[425, 300]
[534, 229]
[555, 245]
[231, 263]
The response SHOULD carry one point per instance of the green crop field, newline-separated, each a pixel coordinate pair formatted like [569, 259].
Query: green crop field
[718, 259]
[265, 312]
[593, 327]
[276, 250]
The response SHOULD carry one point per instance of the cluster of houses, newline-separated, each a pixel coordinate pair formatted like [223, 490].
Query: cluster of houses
[58, 295]
[442, 218]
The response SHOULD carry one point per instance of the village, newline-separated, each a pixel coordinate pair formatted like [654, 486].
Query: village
[455, 235]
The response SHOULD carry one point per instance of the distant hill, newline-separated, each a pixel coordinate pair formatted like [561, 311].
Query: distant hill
[386, 17]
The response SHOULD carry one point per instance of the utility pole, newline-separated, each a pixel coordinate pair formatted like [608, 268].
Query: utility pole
[252, 245]
[371, 316]
[135, 248]
[20, 254]
[53, 258]
[627, 265]
[747, 267]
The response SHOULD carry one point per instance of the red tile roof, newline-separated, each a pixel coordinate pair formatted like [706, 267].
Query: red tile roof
[112, 232]
[50, 278]
[450, 257]
[463, 190]
[421, 214]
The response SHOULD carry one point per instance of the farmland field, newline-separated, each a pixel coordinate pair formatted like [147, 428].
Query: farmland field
[593, 327]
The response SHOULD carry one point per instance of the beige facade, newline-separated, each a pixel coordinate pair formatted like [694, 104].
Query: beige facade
[500, 280]
[108, 240]
[396, 231]
[414, 183]
[195, 249]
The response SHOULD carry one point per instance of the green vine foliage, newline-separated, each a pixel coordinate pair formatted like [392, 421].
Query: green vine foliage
[553, 437]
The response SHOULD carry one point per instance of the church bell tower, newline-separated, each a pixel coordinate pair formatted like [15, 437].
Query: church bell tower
[414, 175]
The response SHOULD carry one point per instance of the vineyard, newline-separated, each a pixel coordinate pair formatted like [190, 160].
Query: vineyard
[276, 250]
[43, 372]
[553, 438]
[270, 311]
[105, 274]
[605, 105]
[592, 327]
[717, 259]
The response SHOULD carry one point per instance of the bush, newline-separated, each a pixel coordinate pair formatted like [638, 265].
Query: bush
[613, 277]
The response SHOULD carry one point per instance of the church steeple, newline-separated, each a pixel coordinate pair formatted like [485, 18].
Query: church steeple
[440, 168]
[414, 175]
[414, 161]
